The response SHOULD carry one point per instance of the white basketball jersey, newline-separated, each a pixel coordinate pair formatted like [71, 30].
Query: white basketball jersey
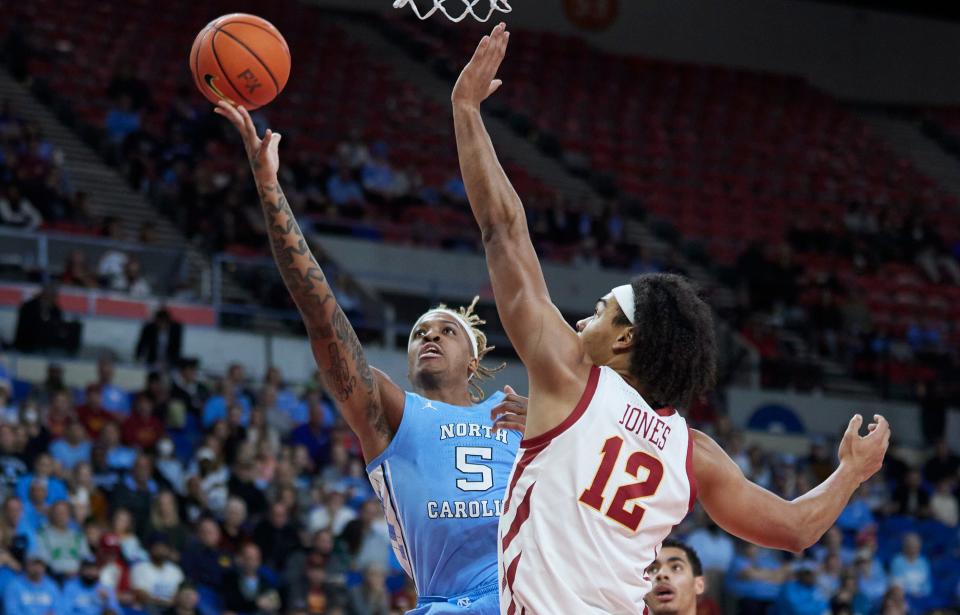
[590, 502]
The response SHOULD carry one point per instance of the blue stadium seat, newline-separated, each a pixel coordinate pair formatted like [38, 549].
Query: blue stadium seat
[210, 601]
[938, 539]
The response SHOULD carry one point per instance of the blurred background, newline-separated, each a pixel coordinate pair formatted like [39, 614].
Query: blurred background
[799, 160]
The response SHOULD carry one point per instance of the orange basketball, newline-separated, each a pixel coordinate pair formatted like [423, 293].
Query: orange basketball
[240, 58]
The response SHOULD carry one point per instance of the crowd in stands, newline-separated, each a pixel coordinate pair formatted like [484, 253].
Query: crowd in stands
[206, 493]
[191, 495]
[894, 550]
[36, 195]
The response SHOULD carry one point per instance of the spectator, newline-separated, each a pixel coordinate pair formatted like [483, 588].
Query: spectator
[53, 384]
[160, 340]
[943, 503]
[87, 595]
[12, 467]
[61, 546]
[9, 412]
[165, 519]
[33, 593]
[871, 578]
[73, 448]
[142, 429]
[829, 576]
[132, 281]
[85, 498]
[41, 326]
[169, 467]
[59, 414]
[187, 388]
[832, 544]
[754, 579]
[35, 507]
[910, 569]
[800, 596]
[241, 485]
[371, 597]
[217, 407]
[314, 435]
[157, 390]
[312, 596]
[910, 498]
[895, 602]
[286, 399]
[943, 463]
[185, 602]
[213, 478]
[235, 532]
[857, 513]
[125, 533]
[848, 599]
[204, 562]
[156, 580]
[43, 469]
[343, 190]
[334, 515]
[136, 491]
[76, 272]
[17, 211]
[115, 399]
[111, 263]
[117, 456]
[367, 537]
[122, 120]
[92, 415]
[259, 431]
[245, 589]
[276, 536]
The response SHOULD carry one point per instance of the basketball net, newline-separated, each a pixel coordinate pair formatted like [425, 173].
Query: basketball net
[468, 5]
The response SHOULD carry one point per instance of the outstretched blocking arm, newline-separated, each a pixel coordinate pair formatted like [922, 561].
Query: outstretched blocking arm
[756, 515]
[371, 404]
[546, 344]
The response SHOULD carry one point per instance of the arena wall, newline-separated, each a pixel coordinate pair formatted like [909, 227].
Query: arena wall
[853, 53]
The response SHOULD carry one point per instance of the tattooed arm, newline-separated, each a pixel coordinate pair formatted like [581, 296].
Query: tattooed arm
[369, 401]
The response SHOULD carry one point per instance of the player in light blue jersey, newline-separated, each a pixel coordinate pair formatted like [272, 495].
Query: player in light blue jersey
[437, 463]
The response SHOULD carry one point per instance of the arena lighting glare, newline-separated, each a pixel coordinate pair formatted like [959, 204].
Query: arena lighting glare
[468, 9]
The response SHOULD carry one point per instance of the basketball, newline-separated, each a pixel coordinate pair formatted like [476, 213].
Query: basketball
[240, 58]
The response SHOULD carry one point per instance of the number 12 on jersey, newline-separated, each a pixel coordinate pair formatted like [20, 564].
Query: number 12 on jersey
[617, 510]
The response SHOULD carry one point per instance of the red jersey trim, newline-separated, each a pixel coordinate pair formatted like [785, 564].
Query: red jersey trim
[691, 477]
[666, 411]
[574, 416]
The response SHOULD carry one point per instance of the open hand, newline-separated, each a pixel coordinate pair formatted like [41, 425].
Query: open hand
[478, 79]
[262, 153]
[864, 454]
[511, 412]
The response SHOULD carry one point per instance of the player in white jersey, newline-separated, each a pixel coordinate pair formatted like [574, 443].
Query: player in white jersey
[607, 466]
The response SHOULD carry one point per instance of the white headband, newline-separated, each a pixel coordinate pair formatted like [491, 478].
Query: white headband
[624, 296]
[474, 345]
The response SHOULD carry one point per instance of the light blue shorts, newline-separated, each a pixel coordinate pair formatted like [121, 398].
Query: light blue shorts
[484, 600]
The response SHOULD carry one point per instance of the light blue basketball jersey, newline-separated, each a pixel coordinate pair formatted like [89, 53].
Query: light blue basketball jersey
[442, 481]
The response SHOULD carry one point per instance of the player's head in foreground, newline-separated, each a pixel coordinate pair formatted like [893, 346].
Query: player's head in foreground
[658, 333]
[677, 577]
[445, 351]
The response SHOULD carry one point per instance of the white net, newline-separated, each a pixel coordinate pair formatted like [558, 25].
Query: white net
[464, 8]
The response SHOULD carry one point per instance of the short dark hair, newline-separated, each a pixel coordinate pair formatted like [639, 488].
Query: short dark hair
[674, 354]
[692, 556]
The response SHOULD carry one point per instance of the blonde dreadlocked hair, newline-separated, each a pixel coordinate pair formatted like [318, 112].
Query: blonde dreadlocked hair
[483, 372]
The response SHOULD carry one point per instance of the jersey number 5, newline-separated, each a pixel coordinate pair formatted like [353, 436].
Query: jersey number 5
[593, 496]
[483, 473]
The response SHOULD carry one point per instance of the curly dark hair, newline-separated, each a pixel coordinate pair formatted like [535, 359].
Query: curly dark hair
[674, 354]
[692, 556]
